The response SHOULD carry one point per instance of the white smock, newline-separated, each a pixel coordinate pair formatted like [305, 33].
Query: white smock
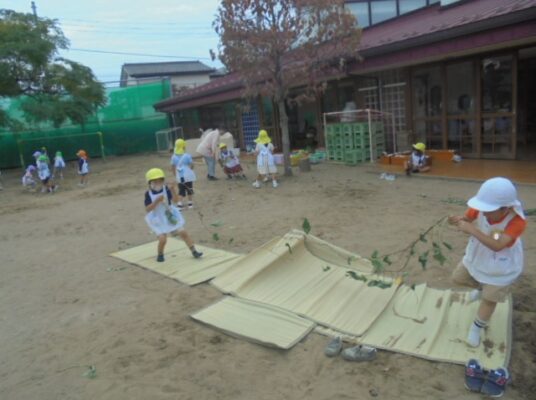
[59, 162]
[499, 268]
[265, 159]
[182, 163]
[165, 217]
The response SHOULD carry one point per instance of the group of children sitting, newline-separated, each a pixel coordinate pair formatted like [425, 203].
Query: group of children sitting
[47, 177]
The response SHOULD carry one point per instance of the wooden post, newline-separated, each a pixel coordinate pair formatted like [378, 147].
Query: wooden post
[478, 110]
[514, 104]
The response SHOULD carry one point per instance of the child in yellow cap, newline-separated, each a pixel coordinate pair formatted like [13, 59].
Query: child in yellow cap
[265, 159]
[182, 166]
[418, 161]
[493, 258]
[162, 216]
[230, 163]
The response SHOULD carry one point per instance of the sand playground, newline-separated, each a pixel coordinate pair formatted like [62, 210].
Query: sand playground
[76, 323]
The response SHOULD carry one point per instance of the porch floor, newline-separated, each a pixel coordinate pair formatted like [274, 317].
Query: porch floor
[517, 171]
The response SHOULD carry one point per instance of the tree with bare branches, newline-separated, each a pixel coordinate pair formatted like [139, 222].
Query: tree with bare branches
[278, 45]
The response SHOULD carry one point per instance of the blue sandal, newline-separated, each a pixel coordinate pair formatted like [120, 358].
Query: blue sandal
[495, 385]
[474, 376]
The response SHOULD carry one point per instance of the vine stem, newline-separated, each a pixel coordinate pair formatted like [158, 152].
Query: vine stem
[412, 245]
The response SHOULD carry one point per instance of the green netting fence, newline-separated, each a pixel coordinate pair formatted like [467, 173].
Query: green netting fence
[125, 125]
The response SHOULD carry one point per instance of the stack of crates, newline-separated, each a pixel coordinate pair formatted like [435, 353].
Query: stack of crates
[350, 142]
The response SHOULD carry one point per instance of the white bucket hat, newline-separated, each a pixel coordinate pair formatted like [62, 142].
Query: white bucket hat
[494, 194]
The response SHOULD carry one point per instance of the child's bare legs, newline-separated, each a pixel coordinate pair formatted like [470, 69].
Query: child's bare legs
[162, 239]
[486, 309]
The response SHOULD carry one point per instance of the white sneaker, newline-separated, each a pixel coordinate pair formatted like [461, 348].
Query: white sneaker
[256, 184]
[274, 183]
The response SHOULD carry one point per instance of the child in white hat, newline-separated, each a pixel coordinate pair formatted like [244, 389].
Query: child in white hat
[494, 255]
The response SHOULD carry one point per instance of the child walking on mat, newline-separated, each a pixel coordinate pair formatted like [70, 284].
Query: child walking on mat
[163, 217]
[494, 255]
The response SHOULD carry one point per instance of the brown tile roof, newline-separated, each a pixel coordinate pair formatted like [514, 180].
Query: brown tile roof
[429, 24]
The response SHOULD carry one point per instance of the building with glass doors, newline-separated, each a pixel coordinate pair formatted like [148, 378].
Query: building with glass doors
[456, 74]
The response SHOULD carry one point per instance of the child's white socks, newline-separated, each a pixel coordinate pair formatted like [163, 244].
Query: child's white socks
[473, 338]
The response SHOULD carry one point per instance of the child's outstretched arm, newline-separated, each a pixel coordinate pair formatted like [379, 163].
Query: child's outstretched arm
[495, 242]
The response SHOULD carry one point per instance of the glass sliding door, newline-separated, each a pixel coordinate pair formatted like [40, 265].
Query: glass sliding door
[497, 81]
[461, 108]
[428, 106]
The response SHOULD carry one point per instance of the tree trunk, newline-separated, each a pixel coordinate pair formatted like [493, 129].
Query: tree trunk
[283, 125]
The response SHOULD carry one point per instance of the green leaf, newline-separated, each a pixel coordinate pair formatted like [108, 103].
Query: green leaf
[412, 287]
[356, 276]
[377, 266]
[374, 254]
[289, 248]
[217, 224]
[306, 226]
[447, 245]
[422, 238]
[91, 372]
[387, 260]
[380, 284]
[438, 255]
[423, 259]
[412, 251]
[215, 237]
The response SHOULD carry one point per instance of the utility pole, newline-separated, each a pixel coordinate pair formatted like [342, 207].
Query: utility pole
[34, 9]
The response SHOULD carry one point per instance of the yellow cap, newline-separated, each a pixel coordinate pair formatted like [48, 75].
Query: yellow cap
[263, 137]
[180, 146]
[420, 146]
[154, 173]
[222, 145]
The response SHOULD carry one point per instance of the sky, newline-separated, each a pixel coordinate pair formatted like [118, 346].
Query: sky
[178, 28]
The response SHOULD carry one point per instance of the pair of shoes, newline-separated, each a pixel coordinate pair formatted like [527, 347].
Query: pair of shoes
[160, 258]
[190, 205]
[256, 185]
[212, 178]
[356, 353]
[197, 254]
[493, 385]
[359, 353]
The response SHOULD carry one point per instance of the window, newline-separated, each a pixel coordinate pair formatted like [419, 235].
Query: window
[382, 10]
[361, 12]
[410, 5]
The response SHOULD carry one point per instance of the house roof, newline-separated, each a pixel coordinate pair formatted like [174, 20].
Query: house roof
[440, 22]
[139, 70]
[426, 26]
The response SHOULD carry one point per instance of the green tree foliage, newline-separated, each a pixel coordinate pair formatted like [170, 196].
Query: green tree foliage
[55, 89]
[277, 45]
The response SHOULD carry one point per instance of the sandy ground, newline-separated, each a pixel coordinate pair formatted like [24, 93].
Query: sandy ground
[65, 304]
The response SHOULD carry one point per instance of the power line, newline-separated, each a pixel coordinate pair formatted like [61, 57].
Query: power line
[138, 54]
